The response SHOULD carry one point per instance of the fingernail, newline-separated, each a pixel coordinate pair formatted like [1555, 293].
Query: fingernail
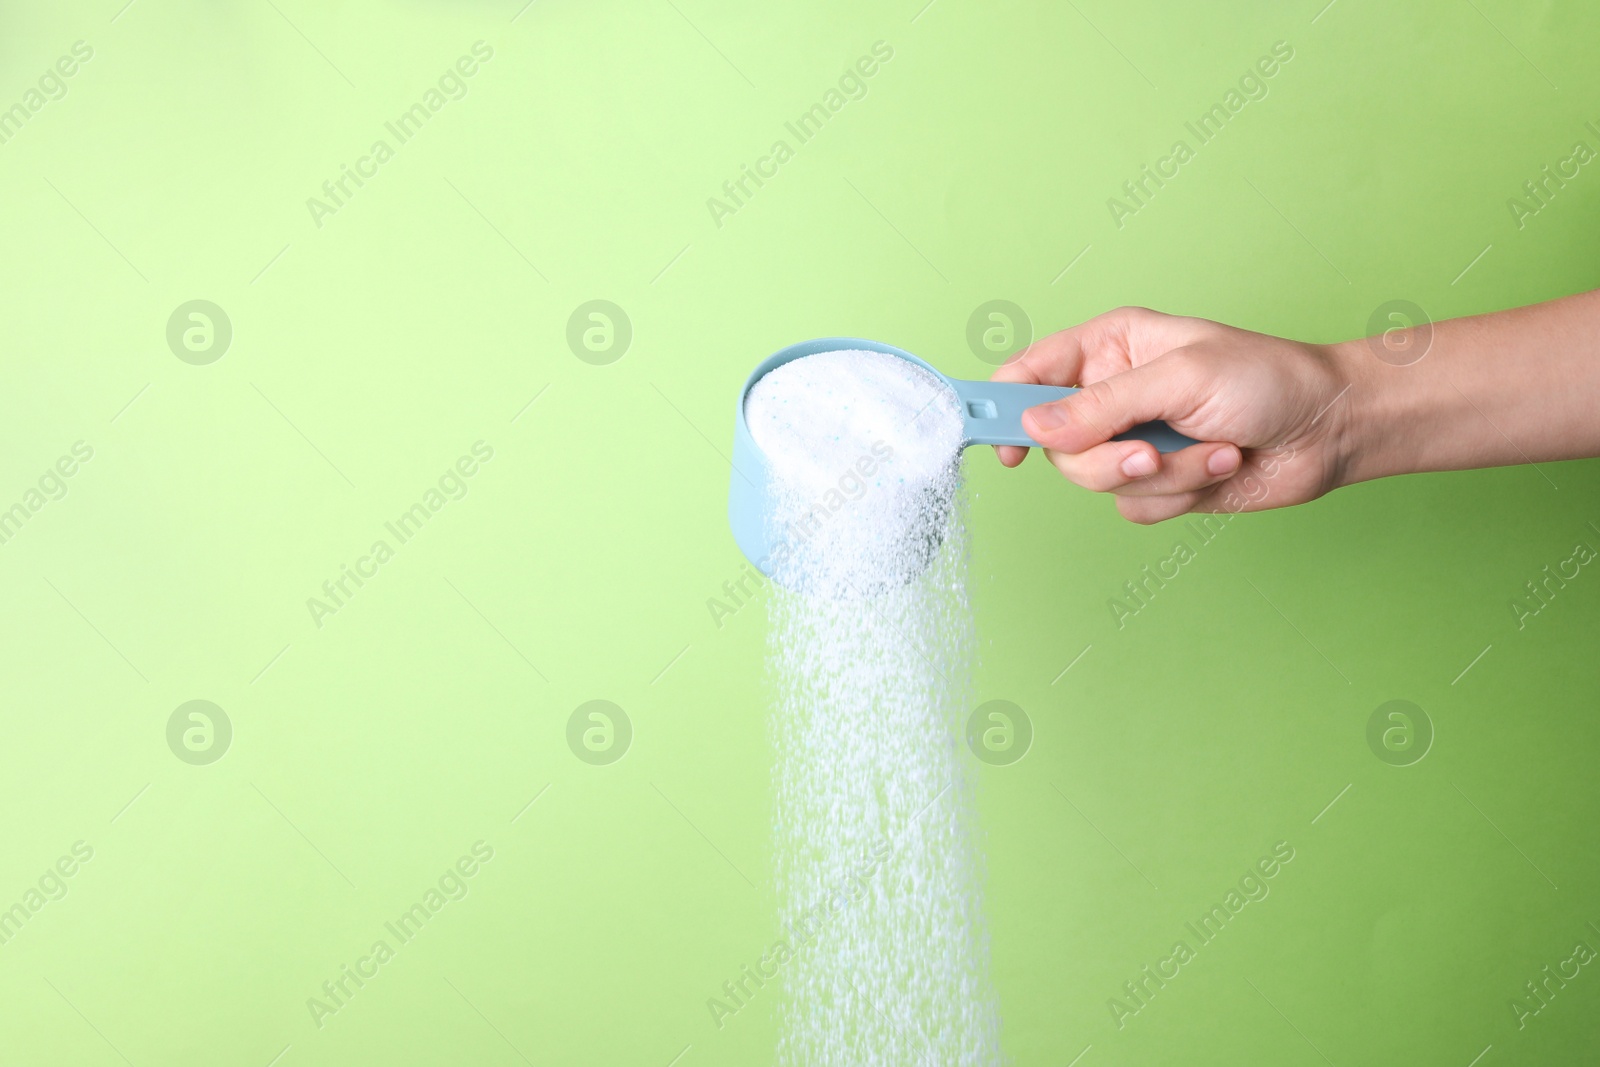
[1223, 460]
[1047, 417]
[1138, 465]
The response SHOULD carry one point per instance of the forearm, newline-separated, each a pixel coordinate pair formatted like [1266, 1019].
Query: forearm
[1516, 386]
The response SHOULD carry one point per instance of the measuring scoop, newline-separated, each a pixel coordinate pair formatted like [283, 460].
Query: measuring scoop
[991, 414]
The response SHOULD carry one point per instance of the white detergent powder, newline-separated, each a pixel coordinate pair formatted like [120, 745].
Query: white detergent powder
[863, 449]
[870, 650]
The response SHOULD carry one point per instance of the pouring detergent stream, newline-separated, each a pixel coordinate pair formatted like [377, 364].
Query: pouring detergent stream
[846, 493]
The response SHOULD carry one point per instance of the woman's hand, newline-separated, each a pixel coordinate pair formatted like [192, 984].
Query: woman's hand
[1272, 415]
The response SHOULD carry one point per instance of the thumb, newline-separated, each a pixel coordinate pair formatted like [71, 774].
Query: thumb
[1160, 389]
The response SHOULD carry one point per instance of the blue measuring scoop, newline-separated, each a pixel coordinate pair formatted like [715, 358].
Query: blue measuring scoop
[991, 414]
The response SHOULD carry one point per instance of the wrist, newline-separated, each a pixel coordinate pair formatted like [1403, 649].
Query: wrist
[1378, 431]
[1351, 417]
[1404, 415]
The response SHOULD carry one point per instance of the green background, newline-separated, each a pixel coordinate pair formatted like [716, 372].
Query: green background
[430, 312]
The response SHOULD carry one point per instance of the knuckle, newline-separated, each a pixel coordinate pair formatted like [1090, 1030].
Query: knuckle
[1095, 395]
[1102, 480]
[1113, 328]
[1122, 324]
[1083, 471]
[1096, 403]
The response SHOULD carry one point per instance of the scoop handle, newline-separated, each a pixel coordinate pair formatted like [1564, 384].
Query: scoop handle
[991, 414]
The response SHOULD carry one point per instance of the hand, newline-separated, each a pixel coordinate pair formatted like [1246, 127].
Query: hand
[1271, 415]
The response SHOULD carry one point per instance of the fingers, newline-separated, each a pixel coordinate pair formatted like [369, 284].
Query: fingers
[1103, 346]
[1053, 360]
[1165, 388]
[1010, 455]
[1136, 469]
